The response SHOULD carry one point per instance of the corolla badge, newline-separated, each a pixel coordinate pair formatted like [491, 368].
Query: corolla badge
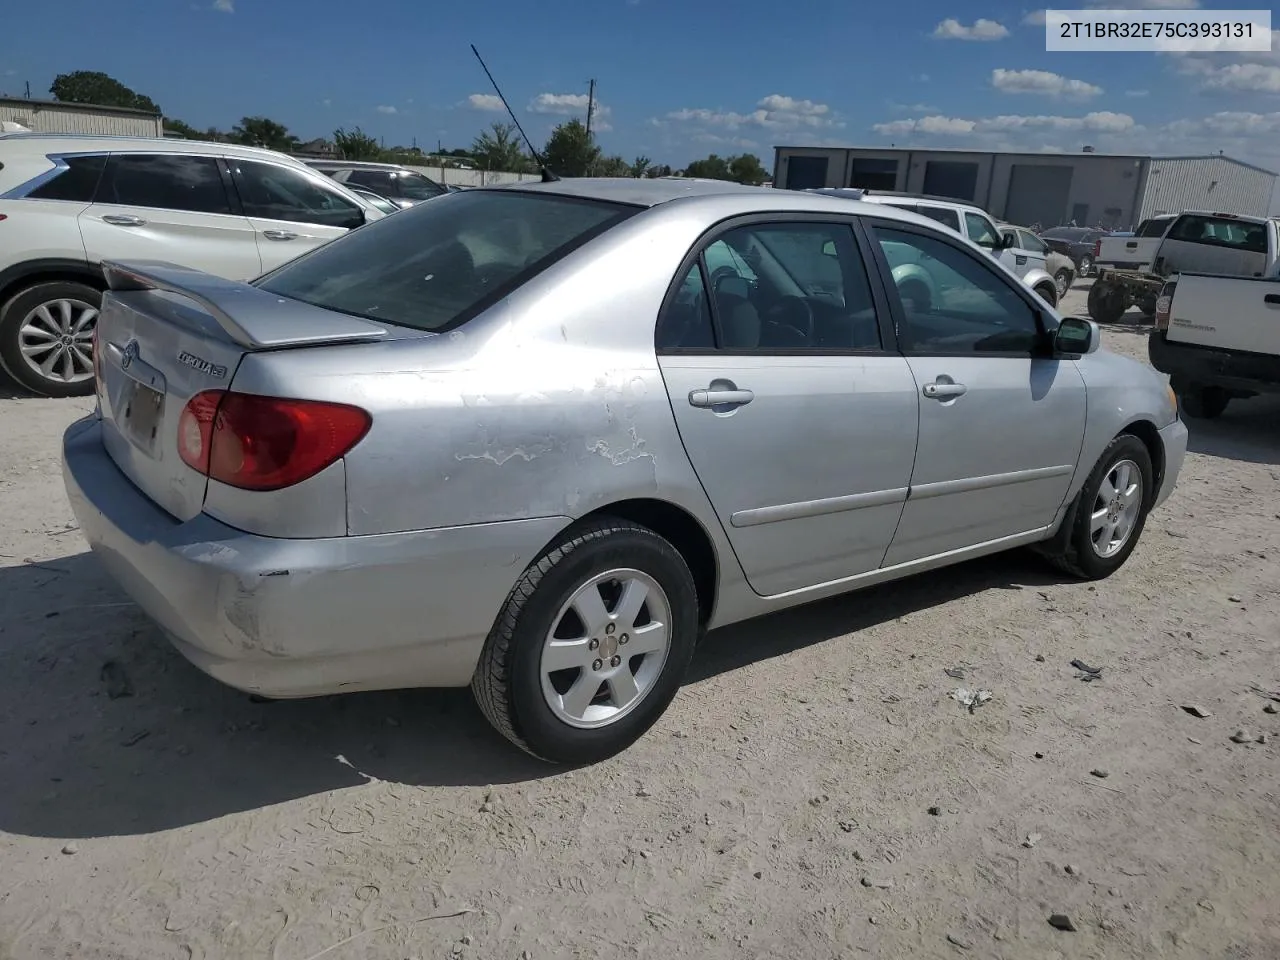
[128, 354]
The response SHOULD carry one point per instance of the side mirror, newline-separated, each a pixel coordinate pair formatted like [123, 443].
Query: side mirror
[1008, 241]
[1076, 337]
[358, 219]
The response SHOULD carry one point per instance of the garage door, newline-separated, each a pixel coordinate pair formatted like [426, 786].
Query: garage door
[806, 173]
[951, 178]
[1038, 194]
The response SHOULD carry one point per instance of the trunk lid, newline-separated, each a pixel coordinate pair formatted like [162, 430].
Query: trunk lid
[166, 333]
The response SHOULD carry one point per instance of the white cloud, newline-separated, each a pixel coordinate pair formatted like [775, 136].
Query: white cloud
[1255, 71]
[1137, 93]
[913, 108]
[1143, 4]
[485, 101]
[327, 102]
[1103, 121]
[1044, 83]
[1034, 19]
[569, 104]
[387, 109]
[774, 112]
[952, 29]
[1244, 78]
[224, 6]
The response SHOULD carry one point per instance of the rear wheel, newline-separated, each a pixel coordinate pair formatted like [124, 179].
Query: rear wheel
[1086, 265]
[1204, 403]
[1148, 307]
[591, 645]
[1063, 279]
[1107, 303]
[46, 338]
[1048, 292]
[1109, 513]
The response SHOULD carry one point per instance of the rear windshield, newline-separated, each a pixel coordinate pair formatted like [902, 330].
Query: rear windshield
[1065, 233]
[438, 264]
[1220, 232]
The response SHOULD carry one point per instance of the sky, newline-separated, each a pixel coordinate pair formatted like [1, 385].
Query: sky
[674, 81]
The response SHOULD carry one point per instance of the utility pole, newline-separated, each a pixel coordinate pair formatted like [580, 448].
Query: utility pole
[28, 97]
[591, 105]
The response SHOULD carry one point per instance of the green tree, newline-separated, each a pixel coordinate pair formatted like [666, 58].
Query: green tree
[356, 144]
[747, 169]
[640, 166]
[712, 168]
[91, 86]
[182, 129]
[570, 150]
[262, 132]
[611, 167]
[661, 170]
[499, 149]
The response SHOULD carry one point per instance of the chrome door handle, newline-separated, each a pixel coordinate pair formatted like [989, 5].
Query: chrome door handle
[123, 220]
[943, 390]
[279, 235]
[719, 398]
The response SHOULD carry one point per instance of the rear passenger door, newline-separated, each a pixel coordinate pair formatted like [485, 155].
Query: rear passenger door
[796, 411]
[173, 207]
[291, 211]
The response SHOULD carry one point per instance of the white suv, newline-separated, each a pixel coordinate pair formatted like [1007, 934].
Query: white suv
[69, 202]
[971, 222]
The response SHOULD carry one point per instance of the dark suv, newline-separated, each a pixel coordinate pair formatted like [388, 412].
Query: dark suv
[401, 185]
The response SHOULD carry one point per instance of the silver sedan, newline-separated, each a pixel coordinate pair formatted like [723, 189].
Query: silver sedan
[538, 439]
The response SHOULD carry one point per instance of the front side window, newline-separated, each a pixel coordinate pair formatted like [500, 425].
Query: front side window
[952, 303]
[436, 265]
[944, 215]
[165, 181]
[379, 181]
[1029, 241]
[77, 181]
[981, 231]
[414, 186]
[273, 192]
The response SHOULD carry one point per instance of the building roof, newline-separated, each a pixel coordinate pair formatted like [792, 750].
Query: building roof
[76, 107]
[1016, 153]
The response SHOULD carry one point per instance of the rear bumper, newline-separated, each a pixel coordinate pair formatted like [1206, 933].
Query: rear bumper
[1174, 440]
[1234, 370]
[295, 618]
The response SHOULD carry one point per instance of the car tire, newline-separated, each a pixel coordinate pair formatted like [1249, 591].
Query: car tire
[1086, 266]
[1078, 551]
[1063, 279]
[1107, 304]
[1148, 307]
[67, 305]
[1048, 292]
[1204, 403]
[546, 710]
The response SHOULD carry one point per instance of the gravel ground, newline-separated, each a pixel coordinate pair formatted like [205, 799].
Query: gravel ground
[812, 793]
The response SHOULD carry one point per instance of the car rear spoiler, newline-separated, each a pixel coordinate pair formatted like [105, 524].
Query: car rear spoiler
[253, 318]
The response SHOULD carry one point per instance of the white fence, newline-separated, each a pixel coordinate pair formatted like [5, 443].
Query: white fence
[469, 178]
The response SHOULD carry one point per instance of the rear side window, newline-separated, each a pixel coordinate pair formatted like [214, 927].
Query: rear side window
[1220, 232]
[77, 181]
[1152, 228]
[165, 181]
[273, 192]
[379, 181]
[944, 216]
[414, 186]
[435, 266]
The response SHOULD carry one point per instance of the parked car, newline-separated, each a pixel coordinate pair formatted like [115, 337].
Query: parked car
[1213, 243]
[526, 439]
[399, 184]
[69, 202]
[1078, 243]
[1030, 253]
[968, 220]
[379, 201]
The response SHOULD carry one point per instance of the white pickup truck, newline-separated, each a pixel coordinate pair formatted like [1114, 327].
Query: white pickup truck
[1134, 252]
[1217, 335]
[1211, 243]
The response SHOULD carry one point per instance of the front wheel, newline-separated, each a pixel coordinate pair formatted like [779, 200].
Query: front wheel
[1109, 513]
[46, 338]
[1086, 266]
[1107, 303]
[1204, 403]
[1063, 280]
[1048, 292]
[591, 645]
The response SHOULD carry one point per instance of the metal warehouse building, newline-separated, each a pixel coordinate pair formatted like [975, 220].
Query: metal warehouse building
[55, 116]
[1050, 189]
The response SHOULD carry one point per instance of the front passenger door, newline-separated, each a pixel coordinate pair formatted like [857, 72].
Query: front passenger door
[1001, 420]
[291, 211]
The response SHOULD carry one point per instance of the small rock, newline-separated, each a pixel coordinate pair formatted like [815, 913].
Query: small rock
[1271, 708]
[818, 801]
[758, 874]
[644, 854]
[935, 811]
[642, 793]
[1106, 926]
[1031, 841]
[1241, 736]
[1193, 740]
[1039, 756]
[955, 673]
[1196, 710]
[1112, 892]
[872, 920]
[1039, 658]
[878, 884]
[71, 849]
[135, 738]
[1205, 905]
[1072, 869]
[1060, 921]
[960, 942]
[1235, 598]
[1099, 773]
[486, 807]
[1262, 738]
[848, 826]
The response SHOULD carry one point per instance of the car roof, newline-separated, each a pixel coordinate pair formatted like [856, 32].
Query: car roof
[647, 192]
[84, 143]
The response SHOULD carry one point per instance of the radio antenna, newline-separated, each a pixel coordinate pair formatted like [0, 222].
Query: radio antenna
[547, 175]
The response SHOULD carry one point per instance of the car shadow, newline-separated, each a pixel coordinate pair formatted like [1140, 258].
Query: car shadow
[106, 730]
[1246, 431]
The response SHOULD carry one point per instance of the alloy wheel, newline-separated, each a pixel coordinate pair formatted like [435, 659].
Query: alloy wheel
[1116, 508]
[56, 340]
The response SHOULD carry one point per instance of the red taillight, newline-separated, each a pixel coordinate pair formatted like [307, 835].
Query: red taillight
[1163, 305]
[1097, 249]
[265, 443]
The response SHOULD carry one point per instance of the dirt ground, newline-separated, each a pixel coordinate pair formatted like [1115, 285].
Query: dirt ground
[812, 793]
